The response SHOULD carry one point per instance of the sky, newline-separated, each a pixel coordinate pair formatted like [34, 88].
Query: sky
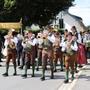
[82, 9]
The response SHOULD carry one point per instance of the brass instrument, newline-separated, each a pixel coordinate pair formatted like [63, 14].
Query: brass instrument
[12, 45]
[69, 51]
[25, 39]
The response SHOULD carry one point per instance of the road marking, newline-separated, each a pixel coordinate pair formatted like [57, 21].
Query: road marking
[70, 85]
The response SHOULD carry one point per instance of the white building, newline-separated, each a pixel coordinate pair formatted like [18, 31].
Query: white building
[70, 20]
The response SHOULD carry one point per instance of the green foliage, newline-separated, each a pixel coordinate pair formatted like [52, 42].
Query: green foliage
[32, 11]
[3, 32]
[1, 4]
[8, 4]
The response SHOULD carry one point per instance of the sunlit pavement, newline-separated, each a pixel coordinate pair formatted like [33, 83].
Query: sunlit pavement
[84, 80]
[34, 83]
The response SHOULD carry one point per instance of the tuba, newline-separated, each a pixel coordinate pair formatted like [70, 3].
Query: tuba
[11, 45]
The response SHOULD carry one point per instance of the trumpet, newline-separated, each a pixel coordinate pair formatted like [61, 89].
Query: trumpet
[25, 40]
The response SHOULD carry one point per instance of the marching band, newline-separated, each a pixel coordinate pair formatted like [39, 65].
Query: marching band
[46, 48]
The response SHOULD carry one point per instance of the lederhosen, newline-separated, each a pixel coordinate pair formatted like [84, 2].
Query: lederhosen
[69, 53]
[30, 57]
[11, 54]
[75, 55]
[47, 53]
[57, 55]
[39, 55]
[70, 62]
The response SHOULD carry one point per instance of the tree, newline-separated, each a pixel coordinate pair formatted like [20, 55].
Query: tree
[33, 11]
[8, 4]
[1, 4]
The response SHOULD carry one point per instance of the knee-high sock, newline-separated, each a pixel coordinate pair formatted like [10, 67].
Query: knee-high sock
[7, 67]
[14, 67]
[54, 64]
[61, 62]
[33, 68]
[26, 69]
[67, 74]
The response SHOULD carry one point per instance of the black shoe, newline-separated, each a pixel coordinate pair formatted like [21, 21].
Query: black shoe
[66, 81]
[1, 61]
[25, 75]
[28, 67]
[61, 70]
[42, 78]
[72, 79]
[18, 63]
[55, 70]
[52, 77]
[0, 65]
[45, 68]
[5, 74]
[21, 67]
[80, 66]
[33, 75]
[76, 71]
[64, 65]
[37, 69]
[14, 74]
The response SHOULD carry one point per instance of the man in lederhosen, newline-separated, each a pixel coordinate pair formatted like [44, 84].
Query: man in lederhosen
[47, 53]
[69, 47]
[39, 49]
[78, 39]
[57, 51]
[11, 53]
[30, 53]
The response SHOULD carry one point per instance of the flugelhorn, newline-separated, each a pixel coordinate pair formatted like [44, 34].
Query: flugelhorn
[12, 45]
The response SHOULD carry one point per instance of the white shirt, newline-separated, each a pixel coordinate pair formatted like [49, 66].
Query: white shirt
[86, 38]
[33, 42]
[51, 38]
[6, 43]
[79, 40]
[73, 46]
[15, 40]
[39, 41]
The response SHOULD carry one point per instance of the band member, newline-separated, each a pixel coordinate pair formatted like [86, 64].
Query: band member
[30, 53]
[25, 37]
[69, 47]
[11, 53]
[1, 45]
[39, 50]
[63, 38]
[47, 53]
[19, 49]
[86, 41]
[77, 39]
[57, 51]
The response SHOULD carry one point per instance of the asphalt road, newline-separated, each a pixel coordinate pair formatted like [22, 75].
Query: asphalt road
[81, 82]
